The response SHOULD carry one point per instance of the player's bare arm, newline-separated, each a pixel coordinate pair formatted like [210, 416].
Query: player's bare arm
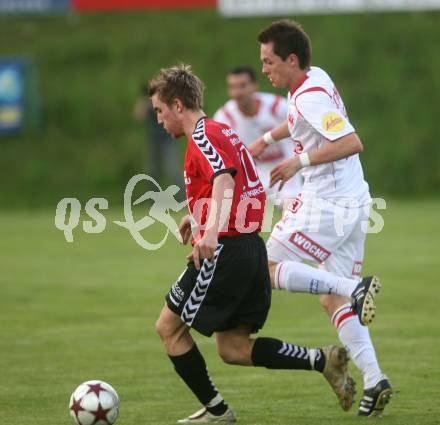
[280, 132]
[218, 216]
[338, 149]
[185, 229]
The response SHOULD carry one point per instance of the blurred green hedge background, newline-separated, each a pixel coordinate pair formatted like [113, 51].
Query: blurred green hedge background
[90, 68]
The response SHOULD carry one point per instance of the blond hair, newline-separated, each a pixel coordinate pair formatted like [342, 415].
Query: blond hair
[178, 82]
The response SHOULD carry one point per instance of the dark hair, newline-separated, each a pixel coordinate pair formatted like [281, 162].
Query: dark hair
[178, 82]
[288, 37]
[244, 69]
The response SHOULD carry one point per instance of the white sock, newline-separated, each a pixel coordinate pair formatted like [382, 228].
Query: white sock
[299, 277]
[356, 339]
[216, 400]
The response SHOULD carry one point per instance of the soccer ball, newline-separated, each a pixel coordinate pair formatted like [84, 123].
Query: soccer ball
[94, 403]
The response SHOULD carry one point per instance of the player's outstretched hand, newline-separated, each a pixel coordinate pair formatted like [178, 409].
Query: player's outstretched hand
[257, 148]
[284, 171]
[185, 229]
[204, 248]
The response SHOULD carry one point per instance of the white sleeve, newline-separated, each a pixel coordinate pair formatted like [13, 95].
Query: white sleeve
[286, 144]
[319, 110]
[221, 117]
[282, 109]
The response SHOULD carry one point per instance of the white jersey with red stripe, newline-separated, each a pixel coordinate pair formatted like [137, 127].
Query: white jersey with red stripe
[317, 116]
[272, 110]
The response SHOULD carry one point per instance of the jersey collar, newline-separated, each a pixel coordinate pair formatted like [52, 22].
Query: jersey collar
[200, 119]
[300, 83]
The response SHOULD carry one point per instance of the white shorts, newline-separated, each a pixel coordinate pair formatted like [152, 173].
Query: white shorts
[289, 191]
[321, 232]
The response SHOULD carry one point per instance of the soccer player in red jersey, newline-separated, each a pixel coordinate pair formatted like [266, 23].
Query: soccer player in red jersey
[225, 288]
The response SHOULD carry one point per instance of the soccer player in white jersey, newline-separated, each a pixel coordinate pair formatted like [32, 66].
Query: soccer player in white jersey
[326, 224]
[251, 114]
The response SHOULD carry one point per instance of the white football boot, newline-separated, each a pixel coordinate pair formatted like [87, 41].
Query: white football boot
[203, 416]
[336, 373]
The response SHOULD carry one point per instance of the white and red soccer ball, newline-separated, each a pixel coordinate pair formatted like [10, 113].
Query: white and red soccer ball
[94, 403]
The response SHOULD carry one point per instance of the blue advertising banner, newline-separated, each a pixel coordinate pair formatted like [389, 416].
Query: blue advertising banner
[12, 95]
[34, 6]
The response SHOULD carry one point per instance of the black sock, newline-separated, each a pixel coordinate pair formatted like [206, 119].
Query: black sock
[191, 367]
[218, 409]
[275, 354]
[319, 360]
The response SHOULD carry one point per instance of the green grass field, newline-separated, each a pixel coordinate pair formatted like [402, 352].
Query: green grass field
[86, 310]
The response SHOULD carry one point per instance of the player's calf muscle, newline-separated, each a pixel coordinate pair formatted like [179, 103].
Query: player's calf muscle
[330, 303]
[235, 346]
[236, 355]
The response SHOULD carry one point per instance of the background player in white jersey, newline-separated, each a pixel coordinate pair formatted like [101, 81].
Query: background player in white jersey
[326, 224]
[251, 114]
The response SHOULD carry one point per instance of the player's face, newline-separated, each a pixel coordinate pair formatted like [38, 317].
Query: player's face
[241, 87]
[168, 116]
[278, 71]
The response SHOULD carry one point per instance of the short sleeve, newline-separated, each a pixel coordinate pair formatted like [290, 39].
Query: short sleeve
[319, 110]
[211, 158]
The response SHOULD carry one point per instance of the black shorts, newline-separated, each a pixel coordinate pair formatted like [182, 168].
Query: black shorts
[231, 290]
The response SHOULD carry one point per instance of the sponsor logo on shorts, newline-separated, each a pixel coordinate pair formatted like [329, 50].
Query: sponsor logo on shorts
[333, 122]
[357, 268]
[309, 246]
[176, 294]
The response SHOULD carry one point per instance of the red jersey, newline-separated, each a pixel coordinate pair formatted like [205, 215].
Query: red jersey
[214, 148]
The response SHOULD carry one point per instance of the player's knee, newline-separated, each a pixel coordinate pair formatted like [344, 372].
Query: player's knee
[161, 328]
[165, 329]
[170, 335]
[227, 356]
[236, 353]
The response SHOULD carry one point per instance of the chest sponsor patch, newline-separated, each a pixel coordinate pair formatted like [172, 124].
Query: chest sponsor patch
[310, 247]
[333, 122]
